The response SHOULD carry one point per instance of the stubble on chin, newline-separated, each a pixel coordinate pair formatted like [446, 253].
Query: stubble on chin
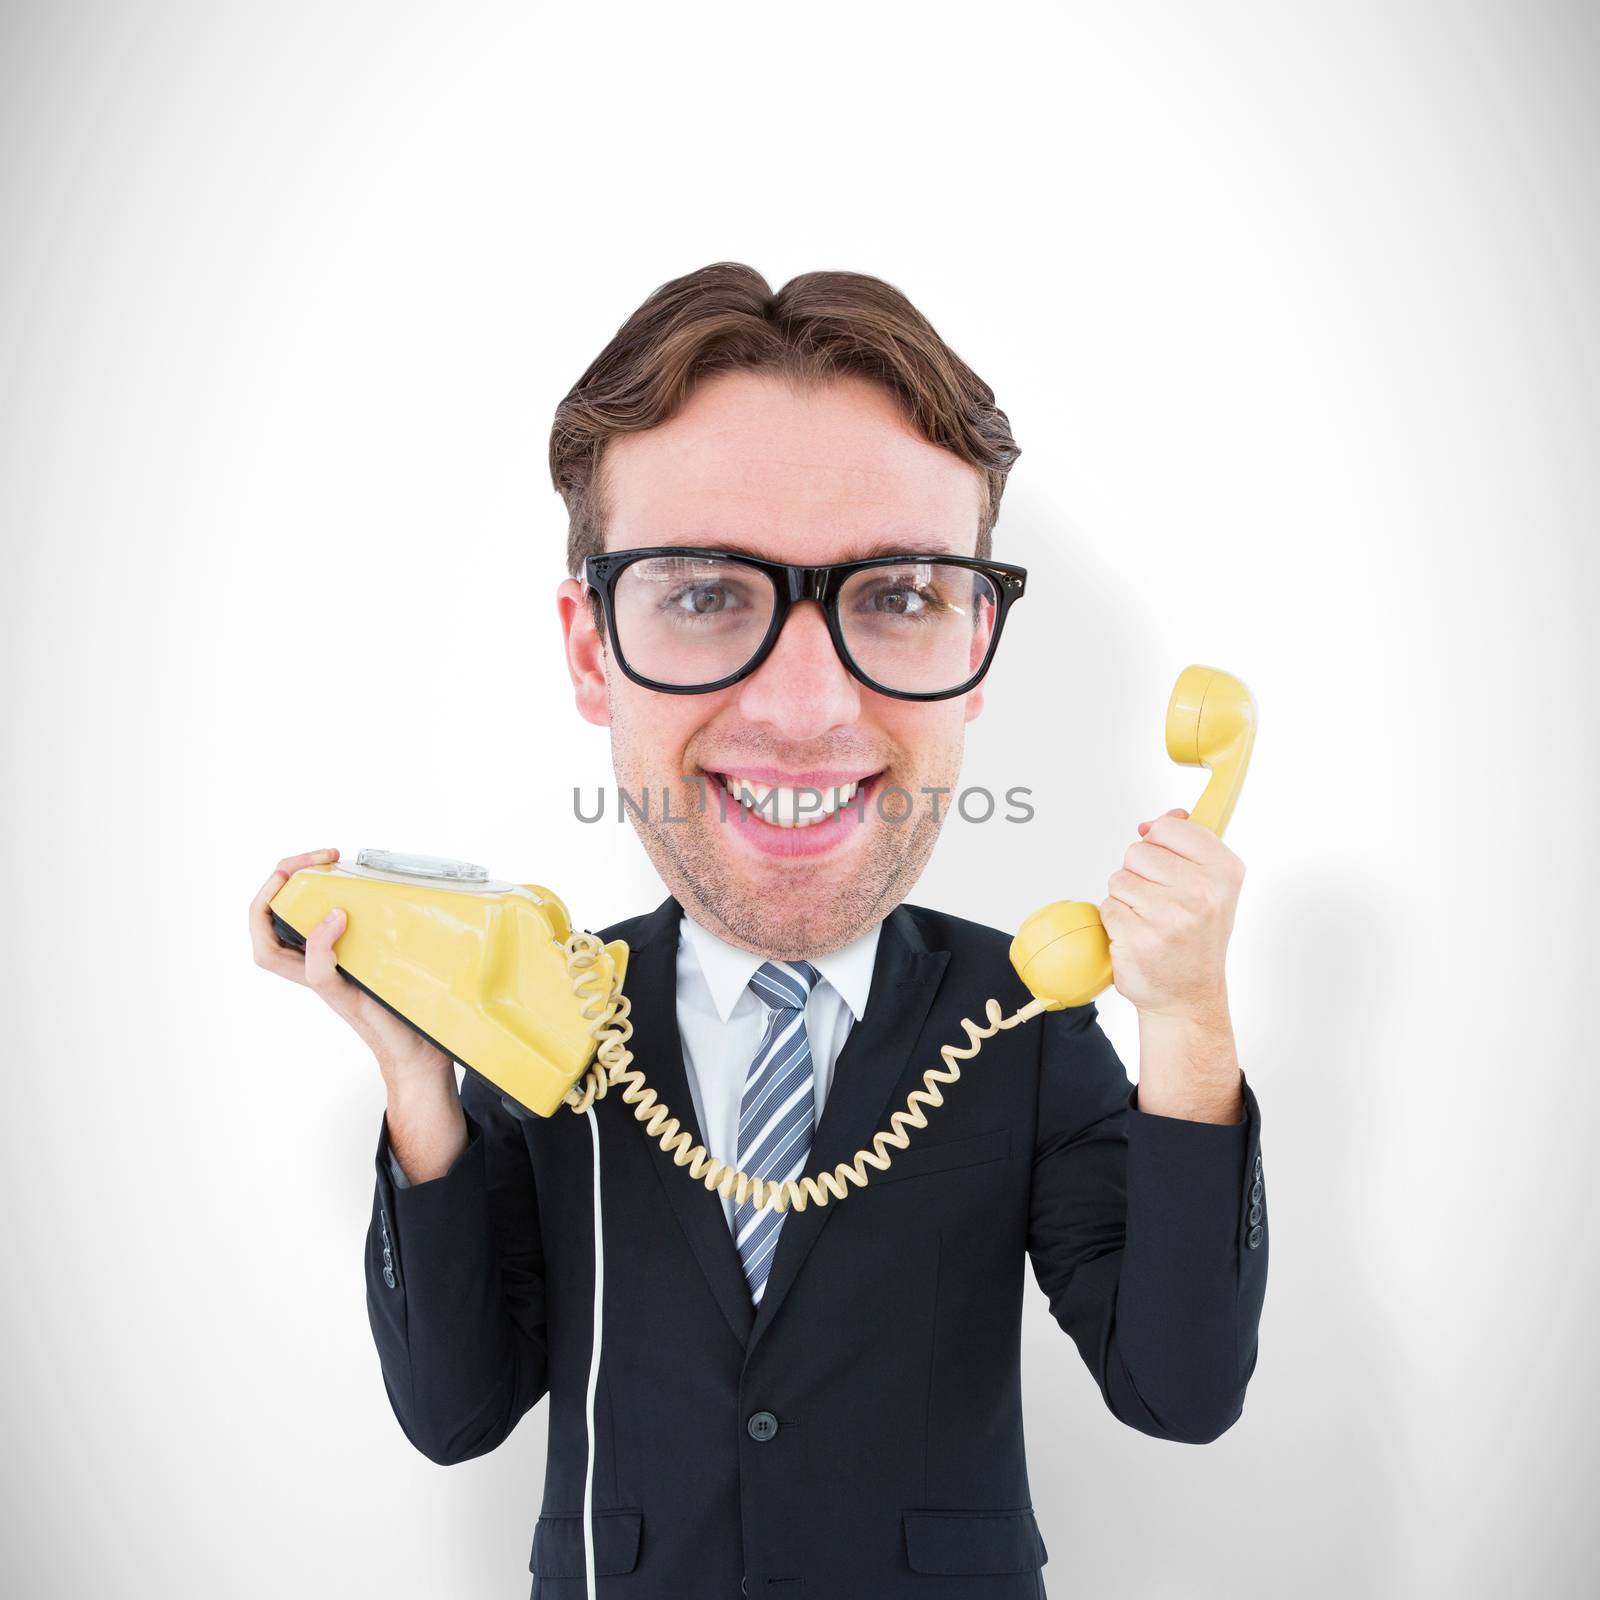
[810, 910]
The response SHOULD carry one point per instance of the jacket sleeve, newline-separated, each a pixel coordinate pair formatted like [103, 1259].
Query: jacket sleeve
[1148, 1236]
[455, 1287]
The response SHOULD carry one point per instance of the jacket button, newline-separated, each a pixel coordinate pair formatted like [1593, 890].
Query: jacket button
[762, 1426]
[744, 1586]
[388, 1276]
[1255, 1236]
[1258, 1164]
[1255, 1190]
[1255, 1212]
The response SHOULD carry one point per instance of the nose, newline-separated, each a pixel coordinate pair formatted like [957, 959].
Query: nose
[802, 689]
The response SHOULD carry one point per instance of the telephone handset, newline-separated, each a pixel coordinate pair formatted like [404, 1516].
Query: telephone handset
[494, 974]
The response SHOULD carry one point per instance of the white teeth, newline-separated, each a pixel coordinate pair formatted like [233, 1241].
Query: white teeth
[781, 804]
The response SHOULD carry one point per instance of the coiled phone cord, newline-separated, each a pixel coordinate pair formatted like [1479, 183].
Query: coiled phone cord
[607, 1008]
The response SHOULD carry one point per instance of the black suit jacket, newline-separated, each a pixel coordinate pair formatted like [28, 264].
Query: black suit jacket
[861, 1434]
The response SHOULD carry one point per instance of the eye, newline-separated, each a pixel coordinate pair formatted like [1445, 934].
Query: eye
[900, 602]
[901, 597]
[702, 599]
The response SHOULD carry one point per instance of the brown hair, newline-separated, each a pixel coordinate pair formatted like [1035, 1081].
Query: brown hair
[819, 326]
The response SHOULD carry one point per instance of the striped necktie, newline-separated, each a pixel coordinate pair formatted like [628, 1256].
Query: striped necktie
[776, 1111]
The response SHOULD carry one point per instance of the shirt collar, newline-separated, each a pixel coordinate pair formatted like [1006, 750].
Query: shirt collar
[728, 969]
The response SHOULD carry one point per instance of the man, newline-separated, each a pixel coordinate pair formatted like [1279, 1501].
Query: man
[822, 1401]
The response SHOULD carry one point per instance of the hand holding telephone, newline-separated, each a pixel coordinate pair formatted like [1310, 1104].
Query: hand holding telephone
[494, 975]
[1061, 952]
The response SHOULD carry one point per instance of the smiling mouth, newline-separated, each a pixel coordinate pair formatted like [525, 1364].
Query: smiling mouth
[797, 805]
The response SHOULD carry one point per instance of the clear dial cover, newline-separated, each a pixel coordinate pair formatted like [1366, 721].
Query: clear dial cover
[416, 866]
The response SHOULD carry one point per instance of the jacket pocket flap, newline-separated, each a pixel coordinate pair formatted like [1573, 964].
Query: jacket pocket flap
[558, 1544]
[917, 1158]
[968, 1543]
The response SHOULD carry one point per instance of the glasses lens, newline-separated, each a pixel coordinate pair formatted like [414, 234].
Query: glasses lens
[922, 627]
[687, 620]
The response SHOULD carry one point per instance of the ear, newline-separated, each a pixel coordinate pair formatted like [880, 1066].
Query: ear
[974, 702]
[586, 650]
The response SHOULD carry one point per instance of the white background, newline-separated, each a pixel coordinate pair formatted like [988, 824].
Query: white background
[1292, 309]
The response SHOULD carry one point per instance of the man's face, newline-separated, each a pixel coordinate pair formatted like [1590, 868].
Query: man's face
[750, 465]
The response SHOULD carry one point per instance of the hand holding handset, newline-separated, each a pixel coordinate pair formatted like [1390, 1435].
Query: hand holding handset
[1061, 952]
[494, 975]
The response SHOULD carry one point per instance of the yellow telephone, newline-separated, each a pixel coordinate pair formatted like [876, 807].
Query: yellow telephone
[494, 974]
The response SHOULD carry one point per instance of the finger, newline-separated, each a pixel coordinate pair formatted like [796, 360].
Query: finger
[1177, 811]
[281, 874]
[321, 964]
[1116, 916]
[1183, 836]
[269, 950]
[1156, 863]
[284, 960]
[308, 858]
[1169, 879]
[1130, 890]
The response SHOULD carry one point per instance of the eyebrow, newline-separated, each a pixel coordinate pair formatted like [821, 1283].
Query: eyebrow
[912, 545]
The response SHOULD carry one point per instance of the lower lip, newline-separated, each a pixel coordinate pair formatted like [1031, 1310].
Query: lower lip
[813, 840]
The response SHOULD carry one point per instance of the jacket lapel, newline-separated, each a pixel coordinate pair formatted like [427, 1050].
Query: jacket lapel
[905, 977]
[652, 988]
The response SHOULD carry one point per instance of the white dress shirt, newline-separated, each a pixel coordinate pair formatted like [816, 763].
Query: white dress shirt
[721, 1022]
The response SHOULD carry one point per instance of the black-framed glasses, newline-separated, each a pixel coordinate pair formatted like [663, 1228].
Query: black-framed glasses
[685, 620]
